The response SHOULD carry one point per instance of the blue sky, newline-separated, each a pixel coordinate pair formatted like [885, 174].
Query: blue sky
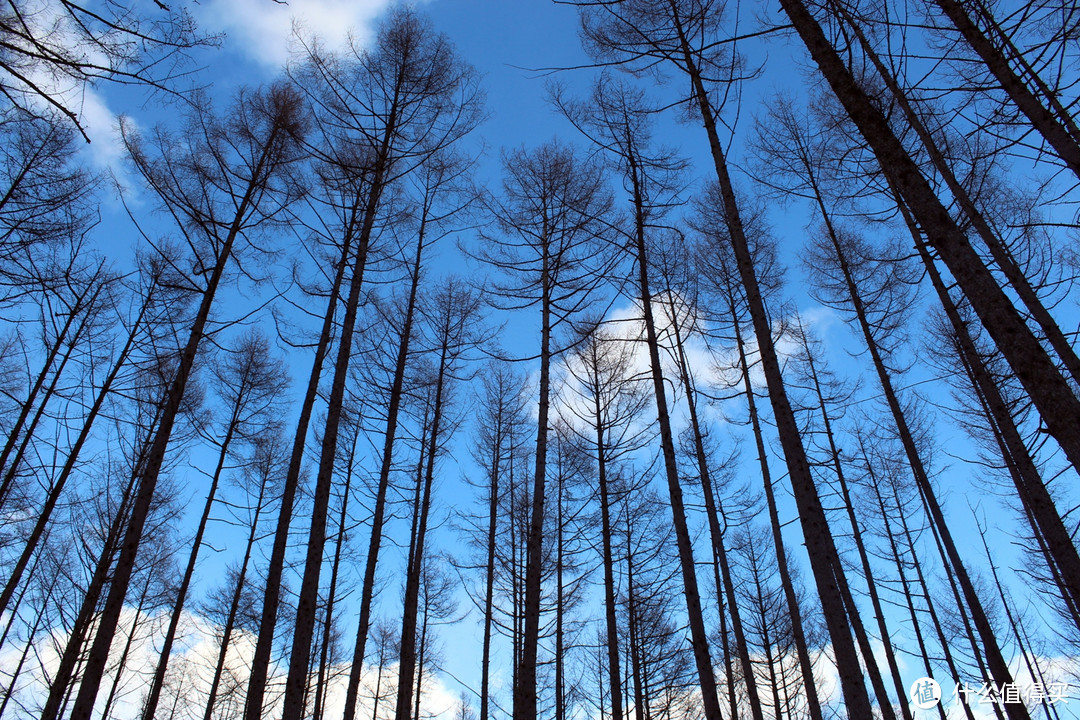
[502, 40]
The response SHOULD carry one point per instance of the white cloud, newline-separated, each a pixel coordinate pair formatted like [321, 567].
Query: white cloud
[263, 31]
[190, 669]
[105, 150]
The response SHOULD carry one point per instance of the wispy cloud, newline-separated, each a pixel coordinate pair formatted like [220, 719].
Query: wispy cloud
[263, 31]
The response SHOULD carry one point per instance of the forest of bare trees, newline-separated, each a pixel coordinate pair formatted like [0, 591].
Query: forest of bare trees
[752, 392]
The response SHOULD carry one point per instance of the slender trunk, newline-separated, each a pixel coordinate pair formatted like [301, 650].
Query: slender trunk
[996, 661]
[614, 675]
[489, 583]
[1027, 479]
[952, 575]
[260, 662]
[766, 643]
[12, 468]
[331, 593]
[943, 639]
[560, 617]
[860, 546]
[234, 606]
[158, 681]
[1004, 259]
[407, 662]
[45, 513]
[39, 620]
[729, 667]
[61, 684]
[824, 558]
[420, 663]
[1014, 625]
[867, 650]
[16, 429]
[125, 563]
[905, 587]
[641, 704]
[121, 662]
[525, 686]
[297, 679]
[367, 591]
[716, 534]
[699, 639]
[813, 702]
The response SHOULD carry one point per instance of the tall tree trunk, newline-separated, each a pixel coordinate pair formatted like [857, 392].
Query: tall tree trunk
[158, 681]
[998, 666]
[794, 611]
[716, 533]
[147, 480]
[608, 559]
[35, 627]
[525, 689]
[1030, 487]
[367, 590]
[321, 690]
[53, 497]
[1004, 259]
[407, 661]
[303, 632]
[824, 558]
[860, 546]
[11, 468]
[699, 639]
[489, 571]
[234, 605]
[260, 662]
[61, 684]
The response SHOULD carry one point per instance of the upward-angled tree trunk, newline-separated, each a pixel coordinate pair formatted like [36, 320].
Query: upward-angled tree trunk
[455, 311]
[1029, 484]
[270, 154]
[856, 531]
[260, 662]
[323, 679]
[716, 533]
[234, 603]
[70, 463]
[303, 632]
[607, 558]
[252, 377]
[61, 682]
[550, 209]
[798, 632]
[698, 637]
[824, 558]
[997, 664]
[78, 316]
[1049, 391]
[877, 484]
[525, 688]
[393, 410]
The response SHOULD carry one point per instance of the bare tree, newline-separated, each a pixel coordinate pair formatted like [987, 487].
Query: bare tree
[53, 52]
[245, 154]
[549, 217]
[250, 383]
